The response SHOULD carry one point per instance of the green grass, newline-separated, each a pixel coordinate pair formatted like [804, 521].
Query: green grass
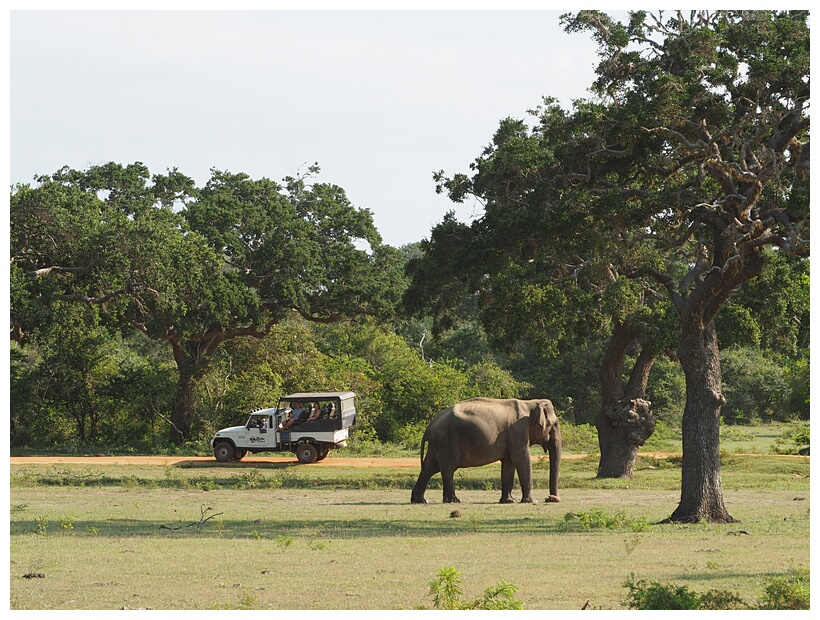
[107, 537]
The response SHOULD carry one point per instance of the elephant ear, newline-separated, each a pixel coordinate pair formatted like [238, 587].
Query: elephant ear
[538, 415]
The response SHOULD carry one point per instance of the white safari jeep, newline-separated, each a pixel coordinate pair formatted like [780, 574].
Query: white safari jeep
[309, 424]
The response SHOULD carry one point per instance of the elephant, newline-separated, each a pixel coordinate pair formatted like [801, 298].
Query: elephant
[480, 431]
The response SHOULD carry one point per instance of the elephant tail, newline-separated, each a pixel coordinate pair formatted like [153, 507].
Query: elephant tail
[424, 440]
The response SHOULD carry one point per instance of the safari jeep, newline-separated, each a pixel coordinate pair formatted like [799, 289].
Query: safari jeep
[309, 424]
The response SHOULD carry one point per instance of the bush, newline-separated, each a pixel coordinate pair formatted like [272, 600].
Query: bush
[446, 592]
[580, 438]
[794, 441]
[646, 595]
[789, 592]
[598, 518]
[755, 386]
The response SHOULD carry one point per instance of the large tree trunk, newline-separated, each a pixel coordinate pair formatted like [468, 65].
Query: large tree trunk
[183, 406]
[625, 420]
[189, 365]
[701, 487]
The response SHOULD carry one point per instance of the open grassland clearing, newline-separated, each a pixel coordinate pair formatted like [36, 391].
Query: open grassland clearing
[312, 537]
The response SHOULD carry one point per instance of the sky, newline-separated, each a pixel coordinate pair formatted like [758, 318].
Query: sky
[380, 99]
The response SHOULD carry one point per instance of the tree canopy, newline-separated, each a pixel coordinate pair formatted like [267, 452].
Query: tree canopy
[653, 199]
[194, 266]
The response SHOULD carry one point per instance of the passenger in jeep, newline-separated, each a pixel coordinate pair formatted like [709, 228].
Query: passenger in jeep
[298, 412]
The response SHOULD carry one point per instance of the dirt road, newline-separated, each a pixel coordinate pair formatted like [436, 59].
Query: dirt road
[409, 462]
[207, 460]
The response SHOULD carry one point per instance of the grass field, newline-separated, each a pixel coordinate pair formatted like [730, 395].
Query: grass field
[311, 537]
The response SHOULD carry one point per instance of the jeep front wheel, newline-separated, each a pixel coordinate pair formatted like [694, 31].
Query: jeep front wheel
[224, 452]
[306, 453]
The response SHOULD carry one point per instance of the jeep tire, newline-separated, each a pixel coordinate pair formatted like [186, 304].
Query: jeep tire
[306, 453]
[224, 452]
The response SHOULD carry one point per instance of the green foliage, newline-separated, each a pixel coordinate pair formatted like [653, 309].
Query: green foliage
[599, 518]
[666, 391]
[192, 267]
[791, 591]
[795, 440]
[446, 592]
[755, 386]
[283, 542]
[654, 595]
[580, 438]
[666, 438]
[798, 378]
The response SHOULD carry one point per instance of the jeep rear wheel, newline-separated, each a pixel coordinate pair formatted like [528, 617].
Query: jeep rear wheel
[306, 453]
[323, 451]
[224, 452]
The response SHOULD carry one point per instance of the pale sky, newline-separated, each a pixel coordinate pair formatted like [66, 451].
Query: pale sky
[379, 99]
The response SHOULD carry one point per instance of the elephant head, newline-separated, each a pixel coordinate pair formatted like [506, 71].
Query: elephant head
[546, 431]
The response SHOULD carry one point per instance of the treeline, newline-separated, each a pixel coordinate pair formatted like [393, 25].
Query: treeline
[78, 387]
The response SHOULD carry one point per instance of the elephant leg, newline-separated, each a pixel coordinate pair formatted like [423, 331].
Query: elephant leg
[447, 481]
[507, 481]
[429, 468]
[524, 467]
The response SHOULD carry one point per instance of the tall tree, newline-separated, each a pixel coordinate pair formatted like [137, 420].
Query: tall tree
[536, 277]
[705, 133]
[691, 158]
[195, 267]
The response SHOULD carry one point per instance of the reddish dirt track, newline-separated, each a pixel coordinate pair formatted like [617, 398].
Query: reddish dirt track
[208, 460]
[410, 462]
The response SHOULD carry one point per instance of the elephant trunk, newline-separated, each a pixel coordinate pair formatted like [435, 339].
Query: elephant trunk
[553, 447]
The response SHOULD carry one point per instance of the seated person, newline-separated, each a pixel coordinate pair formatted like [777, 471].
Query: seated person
[285, 416]
[297, 412]
[315, 412]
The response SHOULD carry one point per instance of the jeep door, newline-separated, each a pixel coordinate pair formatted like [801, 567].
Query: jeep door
[259, 433]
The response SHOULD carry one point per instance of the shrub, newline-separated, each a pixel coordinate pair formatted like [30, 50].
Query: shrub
[789, 592]
[598, 518]
[654, 595]
[754, 384]
[794, 441]
[446, 592]
[581, 438]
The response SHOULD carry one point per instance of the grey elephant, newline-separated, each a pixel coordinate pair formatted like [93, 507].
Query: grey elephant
[480, 431]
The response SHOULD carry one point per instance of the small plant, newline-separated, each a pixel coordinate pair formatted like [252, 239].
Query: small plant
[67, 523]
[283, 542]
[247, 601]
[598, 518]
[93, 530]
[631, 543]
[41, 525]
[446, 592]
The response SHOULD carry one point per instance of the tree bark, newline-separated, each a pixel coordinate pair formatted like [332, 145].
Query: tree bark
[625, 420]
[189, 363]
[701, 486]
[183, 406]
